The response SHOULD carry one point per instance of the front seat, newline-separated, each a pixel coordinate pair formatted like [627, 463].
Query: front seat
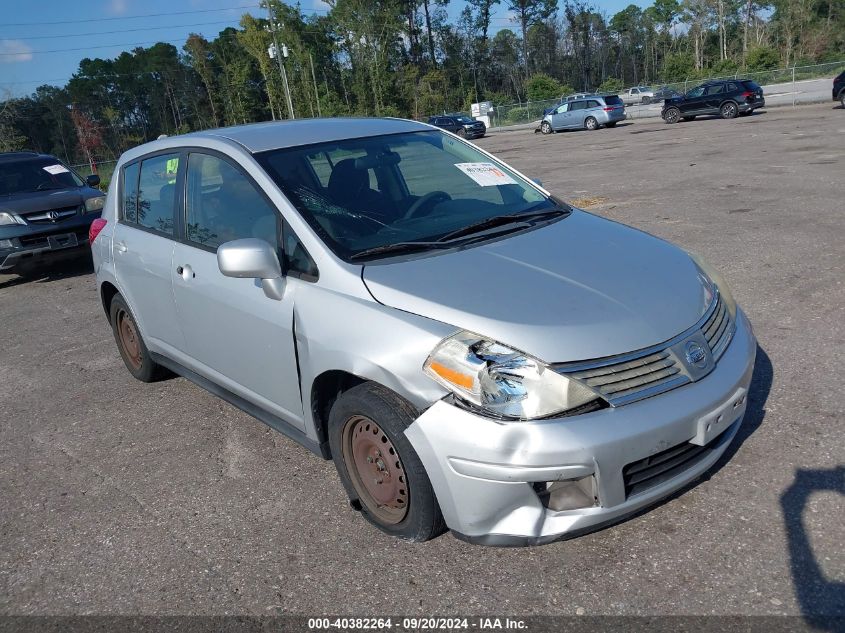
[349, 187]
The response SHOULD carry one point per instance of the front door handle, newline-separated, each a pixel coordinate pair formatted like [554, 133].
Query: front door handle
[186, 272]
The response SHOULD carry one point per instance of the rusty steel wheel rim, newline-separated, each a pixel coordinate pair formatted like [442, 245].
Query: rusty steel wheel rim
[129, 338]
[375, 469]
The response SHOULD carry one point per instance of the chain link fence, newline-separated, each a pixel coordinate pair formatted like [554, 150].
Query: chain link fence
[532, 111]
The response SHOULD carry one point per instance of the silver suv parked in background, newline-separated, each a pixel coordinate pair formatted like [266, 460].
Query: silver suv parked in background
[472, 352]
[588, 113]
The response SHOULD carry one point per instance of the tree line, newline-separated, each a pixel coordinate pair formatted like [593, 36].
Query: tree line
[407, 58]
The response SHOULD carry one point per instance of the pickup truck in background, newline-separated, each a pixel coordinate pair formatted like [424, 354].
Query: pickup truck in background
[639, 94]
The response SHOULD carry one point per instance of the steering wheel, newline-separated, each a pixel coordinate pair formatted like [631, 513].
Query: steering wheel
[414, 210]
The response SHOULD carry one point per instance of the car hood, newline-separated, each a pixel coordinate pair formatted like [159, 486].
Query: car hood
[580, 288]
[33, 201]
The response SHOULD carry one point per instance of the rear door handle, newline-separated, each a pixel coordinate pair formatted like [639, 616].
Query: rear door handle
[121, 247]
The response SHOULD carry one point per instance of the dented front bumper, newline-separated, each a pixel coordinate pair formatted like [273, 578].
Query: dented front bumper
[523, 483]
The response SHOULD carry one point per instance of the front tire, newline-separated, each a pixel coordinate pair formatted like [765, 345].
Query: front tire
[672, 115]
[131, 344]
[462, 133]
[377, 465]
[591, 124]
[546, 127]
[729, 110]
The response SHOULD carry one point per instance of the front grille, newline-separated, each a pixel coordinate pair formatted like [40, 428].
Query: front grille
[43, 217]
[644, 474]
[624, 382]
[638, 375]
[718, 329]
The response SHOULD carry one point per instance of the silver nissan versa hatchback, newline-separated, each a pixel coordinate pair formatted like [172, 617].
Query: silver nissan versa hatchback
[472, 352]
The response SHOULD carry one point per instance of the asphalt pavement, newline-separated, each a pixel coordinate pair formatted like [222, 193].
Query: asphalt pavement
[120, 497]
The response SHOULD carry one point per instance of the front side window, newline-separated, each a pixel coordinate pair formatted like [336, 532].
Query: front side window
[157, 193]
[578, 105]
[222, 204]
[430, 186]
[562, 109]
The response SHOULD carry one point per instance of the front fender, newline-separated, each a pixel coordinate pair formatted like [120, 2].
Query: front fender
[339, 332]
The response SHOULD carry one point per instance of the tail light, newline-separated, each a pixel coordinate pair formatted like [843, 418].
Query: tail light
[96, 226]
[609, 108]
[747, 94]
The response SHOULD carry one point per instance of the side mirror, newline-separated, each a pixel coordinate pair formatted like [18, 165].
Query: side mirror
[252, 258]
[93, 180]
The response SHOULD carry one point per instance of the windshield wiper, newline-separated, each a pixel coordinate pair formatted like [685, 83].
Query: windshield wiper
[398, 248]
[502, 220]
[48, 186]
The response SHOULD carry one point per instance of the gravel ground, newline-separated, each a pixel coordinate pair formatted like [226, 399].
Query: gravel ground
[119, 497]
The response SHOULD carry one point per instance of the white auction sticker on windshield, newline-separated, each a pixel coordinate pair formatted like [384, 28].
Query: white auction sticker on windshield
[485, 174]
[55, 169]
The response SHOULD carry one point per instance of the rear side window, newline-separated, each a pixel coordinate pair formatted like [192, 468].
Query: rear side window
[592, 104]
[157, 193]
[130, 192]
[613, 100]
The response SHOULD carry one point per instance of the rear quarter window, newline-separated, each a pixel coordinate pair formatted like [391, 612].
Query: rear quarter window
[751, 85]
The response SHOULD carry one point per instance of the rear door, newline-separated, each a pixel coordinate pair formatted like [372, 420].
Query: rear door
[577, 114]
[234, 334]
[142, 245]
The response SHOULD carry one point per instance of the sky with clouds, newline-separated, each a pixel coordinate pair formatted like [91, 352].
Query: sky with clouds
[43, 42]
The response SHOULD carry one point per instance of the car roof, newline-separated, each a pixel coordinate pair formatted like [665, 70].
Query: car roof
[12, 157]
[260, 137]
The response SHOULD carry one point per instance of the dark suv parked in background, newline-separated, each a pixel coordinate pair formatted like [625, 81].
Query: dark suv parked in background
[45, 209]
[725, 98]
[839, 88]
[459, 124]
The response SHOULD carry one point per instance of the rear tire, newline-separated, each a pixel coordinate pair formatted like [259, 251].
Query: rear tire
[842, 99]
[729, 110]
[672, 115]
[377, 465]
[546, 127]
[591, 124]
[646, 100]
[131, 344]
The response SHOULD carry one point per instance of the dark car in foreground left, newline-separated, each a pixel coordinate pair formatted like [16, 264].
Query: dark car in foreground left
[460, 124]
[46, 209]
[725, 98]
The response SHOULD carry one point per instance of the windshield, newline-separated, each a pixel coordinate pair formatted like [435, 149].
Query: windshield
[40, 174]
[465, 119]
[367, 193]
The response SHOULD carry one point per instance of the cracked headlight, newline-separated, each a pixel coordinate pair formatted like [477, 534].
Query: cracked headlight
[94, 204]
[9, 218]
[717, 280]
[502, 381]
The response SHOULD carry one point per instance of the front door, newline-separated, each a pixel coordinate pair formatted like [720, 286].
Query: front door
[560, 118]
[234, 334]
[694, 101]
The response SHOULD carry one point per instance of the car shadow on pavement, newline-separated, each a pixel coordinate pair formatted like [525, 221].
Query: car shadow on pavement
[54, 271]
[822, 600]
